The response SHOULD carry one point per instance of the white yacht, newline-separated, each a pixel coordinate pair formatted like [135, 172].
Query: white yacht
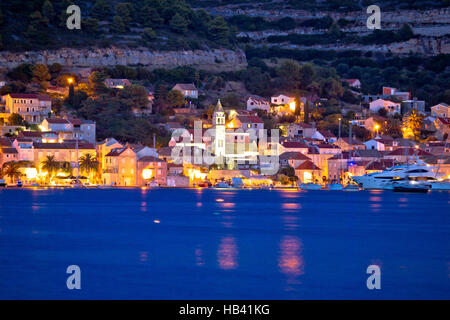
[419, 171]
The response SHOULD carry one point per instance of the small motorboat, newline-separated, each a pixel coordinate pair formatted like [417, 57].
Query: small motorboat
[412, 186]
[334, 187]
[3, 183]
[77, 184]
[203, 184]
[237, 182]
[19, 184]
[152, 184]
[351, 188]
[310, 186]
[222, 185]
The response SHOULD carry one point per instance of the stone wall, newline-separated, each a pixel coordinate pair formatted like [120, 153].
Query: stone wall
[219, 59]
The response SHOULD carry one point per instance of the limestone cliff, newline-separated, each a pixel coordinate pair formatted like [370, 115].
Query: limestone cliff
[218, 59]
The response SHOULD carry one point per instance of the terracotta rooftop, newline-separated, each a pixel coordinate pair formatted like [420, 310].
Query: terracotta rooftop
[307, 165]
[293, 156]
[30, 96]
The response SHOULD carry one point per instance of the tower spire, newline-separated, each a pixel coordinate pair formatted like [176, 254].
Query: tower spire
[219, 106]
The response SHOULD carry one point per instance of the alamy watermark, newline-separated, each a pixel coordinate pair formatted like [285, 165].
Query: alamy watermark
[374, 280]
[74, 280]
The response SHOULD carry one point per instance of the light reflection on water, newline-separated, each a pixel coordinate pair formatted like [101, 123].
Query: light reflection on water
[227, 253]
[260, 241]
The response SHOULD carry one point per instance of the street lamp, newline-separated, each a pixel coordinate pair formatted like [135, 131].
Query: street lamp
[377, 127]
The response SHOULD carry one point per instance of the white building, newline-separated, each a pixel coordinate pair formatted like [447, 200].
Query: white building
[282, 99]
[391, 107]
[255, 102]
[187, 89]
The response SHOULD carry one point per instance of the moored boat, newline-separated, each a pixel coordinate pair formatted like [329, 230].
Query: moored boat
[351, 188]
[222, 185]
[310, 186]
[334, 187]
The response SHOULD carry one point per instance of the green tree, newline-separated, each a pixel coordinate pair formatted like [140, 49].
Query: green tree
[412, 125]
[41, 75]
[178, 23]
[47, 10]
[101, 9]
[37, 29]
[90, 25]
[11, 169]
[96, 83]
[125, 10]
[334, 31]
[16, 119]
[405, 33]
[148, 34]
[306, 74]
[175, 98]
[88, 164]
[118, 25]
[218, 30]
[51, 166]
[150, 17]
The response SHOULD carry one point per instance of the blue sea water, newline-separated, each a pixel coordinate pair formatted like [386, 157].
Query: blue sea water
[223, 244]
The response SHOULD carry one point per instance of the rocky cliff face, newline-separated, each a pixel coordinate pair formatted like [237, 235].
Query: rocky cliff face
[219, 59]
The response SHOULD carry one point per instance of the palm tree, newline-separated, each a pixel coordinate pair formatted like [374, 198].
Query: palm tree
[11, 169]
[88, 163]
[50, 165]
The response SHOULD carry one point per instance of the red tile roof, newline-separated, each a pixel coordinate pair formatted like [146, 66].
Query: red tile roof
[64, 145]
[150, 159]
[293, 156]
[30, 96]
[294, 145]
[307, 165]
[30, 134]
[58, 120]
[408, 152]
[380, 165]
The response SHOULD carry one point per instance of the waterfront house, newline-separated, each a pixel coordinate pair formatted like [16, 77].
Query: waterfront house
[150, 168]
[308, 172]
[120, 167]
[63, 152]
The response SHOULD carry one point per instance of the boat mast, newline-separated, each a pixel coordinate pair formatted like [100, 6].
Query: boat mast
[78, 164]
[440, 160]
[340, 162]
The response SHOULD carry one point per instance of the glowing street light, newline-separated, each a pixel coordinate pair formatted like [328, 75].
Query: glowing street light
[292, 106]
[70, 80]
[147, 174]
